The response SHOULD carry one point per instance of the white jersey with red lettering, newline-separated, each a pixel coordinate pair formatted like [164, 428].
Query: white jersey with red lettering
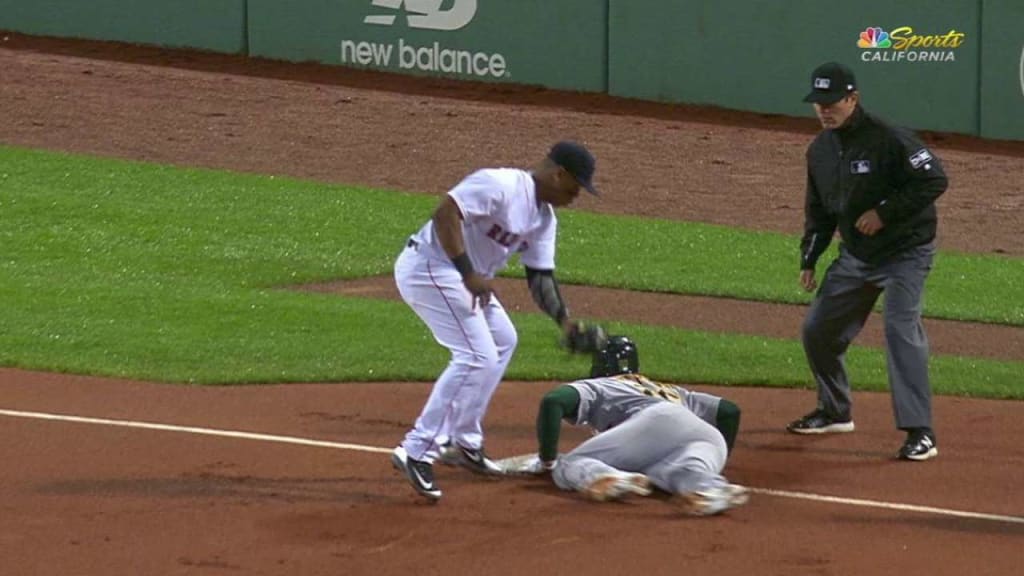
[500, 216]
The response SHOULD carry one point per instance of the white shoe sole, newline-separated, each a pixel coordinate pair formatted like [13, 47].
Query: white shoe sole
[922, 457]
[838, 428]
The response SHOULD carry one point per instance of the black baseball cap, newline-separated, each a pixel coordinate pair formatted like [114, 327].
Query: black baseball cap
[830, 83]
[576, 160]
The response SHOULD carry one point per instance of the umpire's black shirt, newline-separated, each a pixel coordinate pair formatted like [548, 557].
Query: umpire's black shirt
[867, 164]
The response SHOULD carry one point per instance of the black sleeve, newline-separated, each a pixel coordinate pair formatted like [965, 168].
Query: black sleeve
[544, 290]
[562, 402]
[819, 226]
[727, 420]
[920, 179]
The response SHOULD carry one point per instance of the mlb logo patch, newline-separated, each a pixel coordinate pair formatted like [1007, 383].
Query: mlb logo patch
[822, 83]
[860, 167]
[920, 158]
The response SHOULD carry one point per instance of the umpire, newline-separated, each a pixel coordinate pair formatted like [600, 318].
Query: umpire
[877, 185]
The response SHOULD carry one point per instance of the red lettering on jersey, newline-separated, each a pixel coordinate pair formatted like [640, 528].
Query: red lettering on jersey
[493, 232]
[506, 239]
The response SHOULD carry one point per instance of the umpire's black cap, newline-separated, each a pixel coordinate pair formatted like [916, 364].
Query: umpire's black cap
[576, 160]
[830, 83]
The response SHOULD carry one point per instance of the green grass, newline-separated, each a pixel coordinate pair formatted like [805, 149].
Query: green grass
[129, 269]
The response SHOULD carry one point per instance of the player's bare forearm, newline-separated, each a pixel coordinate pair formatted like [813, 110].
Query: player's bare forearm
[448, 226]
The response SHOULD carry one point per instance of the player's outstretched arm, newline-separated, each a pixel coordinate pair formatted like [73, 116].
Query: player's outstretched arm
[727, 420]
[557, 404]
[544, 290]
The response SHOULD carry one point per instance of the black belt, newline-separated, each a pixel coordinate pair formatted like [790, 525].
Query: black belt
[412, 244]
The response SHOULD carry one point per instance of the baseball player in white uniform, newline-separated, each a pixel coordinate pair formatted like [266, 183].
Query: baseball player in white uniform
[646, 432]
[445, 275]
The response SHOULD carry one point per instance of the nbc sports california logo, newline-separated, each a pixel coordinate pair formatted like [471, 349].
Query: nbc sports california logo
[439, 16]
[904, 45]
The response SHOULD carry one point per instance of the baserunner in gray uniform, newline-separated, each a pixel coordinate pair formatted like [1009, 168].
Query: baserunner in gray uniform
[647, 433]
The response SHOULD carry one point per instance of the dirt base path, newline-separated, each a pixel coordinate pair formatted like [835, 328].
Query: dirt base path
[96, 499]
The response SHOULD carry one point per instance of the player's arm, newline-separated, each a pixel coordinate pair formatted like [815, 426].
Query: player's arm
[544, 289]
[727, 420]
[562, 402]
[448, 227]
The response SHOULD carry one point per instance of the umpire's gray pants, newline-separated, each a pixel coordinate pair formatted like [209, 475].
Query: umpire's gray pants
[845, 299]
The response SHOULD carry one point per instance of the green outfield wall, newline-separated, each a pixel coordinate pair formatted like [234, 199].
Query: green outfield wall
[758, 55]
[217, 25]
[559, 44]
[1002, 69]
[958, 67]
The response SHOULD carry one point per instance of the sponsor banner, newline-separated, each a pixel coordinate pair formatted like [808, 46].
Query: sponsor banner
[555, 44]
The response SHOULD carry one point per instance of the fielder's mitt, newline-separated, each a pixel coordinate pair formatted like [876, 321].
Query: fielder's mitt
[584, 338]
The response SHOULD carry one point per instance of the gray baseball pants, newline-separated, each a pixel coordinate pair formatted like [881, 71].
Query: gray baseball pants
[677, 450]
[842, 305]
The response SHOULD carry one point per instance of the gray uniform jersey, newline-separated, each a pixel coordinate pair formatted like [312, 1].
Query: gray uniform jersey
[607, 402]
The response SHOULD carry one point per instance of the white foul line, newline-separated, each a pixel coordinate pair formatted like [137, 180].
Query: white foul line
[888, 505]
[374, 449]
[194, 430]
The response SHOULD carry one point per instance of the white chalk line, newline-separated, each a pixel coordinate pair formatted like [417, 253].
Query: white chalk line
[376, 450]
[888, 505]
[196, 430]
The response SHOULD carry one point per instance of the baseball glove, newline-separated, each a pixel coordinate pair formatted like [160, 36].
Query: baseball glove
[584, 338]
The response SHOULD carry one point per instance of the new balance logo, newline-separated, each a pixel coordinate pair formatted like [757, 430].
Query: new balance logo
[426, 14]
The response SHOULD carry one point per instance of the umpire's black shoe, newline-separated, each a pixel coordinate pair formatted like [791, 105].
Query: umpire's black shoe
[920, 445]
[474, 460]
[419, 473]
[821, 422]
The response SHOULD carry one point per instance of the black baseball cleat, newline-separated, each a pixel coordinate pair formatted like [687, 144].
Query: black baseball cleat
[920, 445]
[474, 460]
[419, 473]
[820, 422]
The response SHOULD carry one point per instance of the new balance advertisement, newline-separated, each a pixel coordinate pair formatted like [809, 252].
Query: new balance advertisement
[556, 44]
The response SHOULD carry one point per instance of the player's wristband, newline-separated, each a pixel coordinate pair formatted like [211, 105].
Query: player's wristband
[463, 265]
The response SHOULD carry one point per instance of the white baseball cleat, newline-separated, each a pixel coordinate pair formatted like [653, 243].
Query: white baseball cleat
[713, 500]
[617, 486]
